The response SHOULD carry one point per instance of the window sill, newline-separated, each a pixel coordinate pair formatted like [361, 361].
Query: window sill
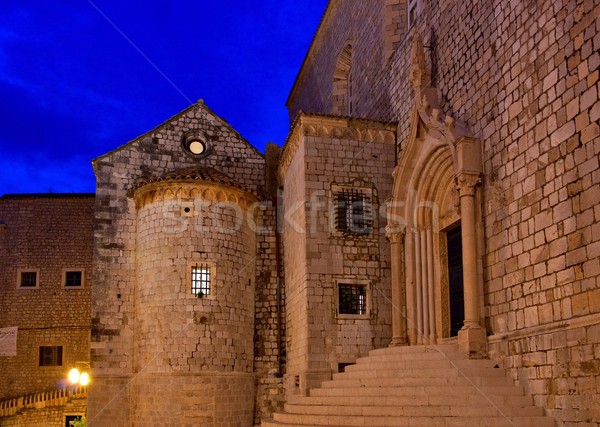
[353, 316]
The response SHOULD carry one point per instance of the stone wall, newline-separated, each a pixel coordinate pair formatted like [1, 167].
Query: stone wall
[269, 334]
[527, 83]
[523, 76]
[294, 241]
[324, 152]
[36, 234]
[365, 26]
[205, 399]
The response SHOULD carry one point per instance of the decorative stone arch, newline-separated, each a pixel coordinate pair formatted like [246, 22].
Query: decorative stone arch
[342, 85]
[435, 188]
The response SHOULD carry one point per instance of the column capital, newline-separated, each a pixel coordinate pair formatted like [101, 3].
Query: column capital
[394, 232]
[466, 183]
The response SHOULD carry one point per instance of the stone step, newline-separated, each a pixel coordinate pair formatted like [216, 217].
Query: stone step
[432, 355]
[398, 381]
[505, 391]
[420, 373]
[440, 400]
[414, 387]
[419, 349]
[477, 406]
[397, 363]
[295, 420]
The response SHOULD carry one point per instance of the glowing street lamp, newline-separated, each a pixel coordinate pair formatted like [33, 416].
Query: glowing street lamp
[84, 378]
[77, 377]
[74, 376]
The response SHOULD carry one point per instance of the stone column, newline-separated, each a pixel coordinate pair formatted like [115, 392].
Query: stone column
[410, 286]
[395, 235]
[418, 284]
[471, 338]
[430, 287]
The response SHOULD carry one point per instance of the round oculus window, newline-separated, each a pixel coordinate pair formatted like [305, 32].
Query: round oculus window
[196, 146]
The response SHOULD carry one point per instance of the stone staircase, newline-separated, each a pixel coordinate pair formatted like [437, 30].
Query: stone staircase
[415, 386]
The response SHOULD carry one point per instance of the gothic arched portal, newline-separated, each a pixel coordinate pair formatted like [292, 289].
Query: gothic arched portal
[435, 192]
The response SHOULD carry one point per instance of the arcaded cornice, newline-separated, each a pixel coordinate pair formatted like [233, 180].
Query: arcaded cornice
[335, 127]
[190, 190]
[191, 174]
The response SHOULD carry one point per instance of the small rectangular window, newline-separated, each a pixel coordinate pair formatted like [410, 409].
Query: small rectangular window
[51, 355]
[28, 278]
[352, 299]
[72, 278]
[353, 212]
[201, 280]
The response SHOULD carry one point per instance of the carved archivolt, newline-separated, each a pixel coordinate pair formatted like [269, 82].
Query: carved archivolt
[181, 190]
[439, 162]
[361, 130]
[432, 135]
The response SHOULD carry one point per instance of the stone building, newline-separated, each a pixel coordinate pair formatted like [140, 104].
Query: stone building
[46, 247]
[423, 250]
[492, 215]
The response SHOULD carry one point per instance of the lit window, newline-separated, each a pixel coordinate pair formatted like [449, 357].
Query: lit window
[353, 212]
[28, 278]
[72, 278]
[201, 278]
[196, 146]
[352, 299]
[51, 355]
[195, 143]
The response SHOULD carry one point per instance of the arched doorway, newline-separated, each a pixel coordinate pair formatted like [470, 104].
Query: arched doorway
[433, 225]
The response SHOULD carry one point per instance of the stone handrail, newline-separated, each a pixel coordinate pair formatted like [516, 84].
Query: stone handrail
[57, 397]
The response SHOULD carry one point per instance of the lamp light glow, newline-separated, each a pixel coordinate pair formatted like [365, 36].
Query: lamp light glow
[74, 376]
[84, 378]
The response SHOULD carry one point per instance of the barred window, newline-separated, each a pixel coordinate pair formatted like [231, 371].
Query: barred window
[352, 299]
[51, 355]
[353, 212]
[201, 278]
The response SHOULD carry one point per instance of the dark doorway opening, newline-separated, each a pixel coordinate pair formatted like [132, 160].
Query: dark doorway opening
[455, 280]
[69, 419]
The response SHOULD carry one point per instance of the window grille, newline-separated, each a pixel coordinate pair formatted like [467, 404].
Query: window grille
[353, 212]
[51, 355]
[201, 277]
[352, 299]
[73, 278]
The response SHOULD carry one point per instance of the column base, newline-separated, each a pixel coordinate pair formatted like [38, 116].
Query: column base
[398, 342]
[472, 340]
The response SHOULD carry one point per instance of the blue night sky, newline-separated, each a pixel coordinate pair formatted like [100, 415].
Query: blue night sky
[79, 78]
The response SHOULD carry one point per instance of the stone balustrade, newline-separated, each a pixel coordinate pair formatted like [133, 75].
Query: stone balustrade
[57, 397]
